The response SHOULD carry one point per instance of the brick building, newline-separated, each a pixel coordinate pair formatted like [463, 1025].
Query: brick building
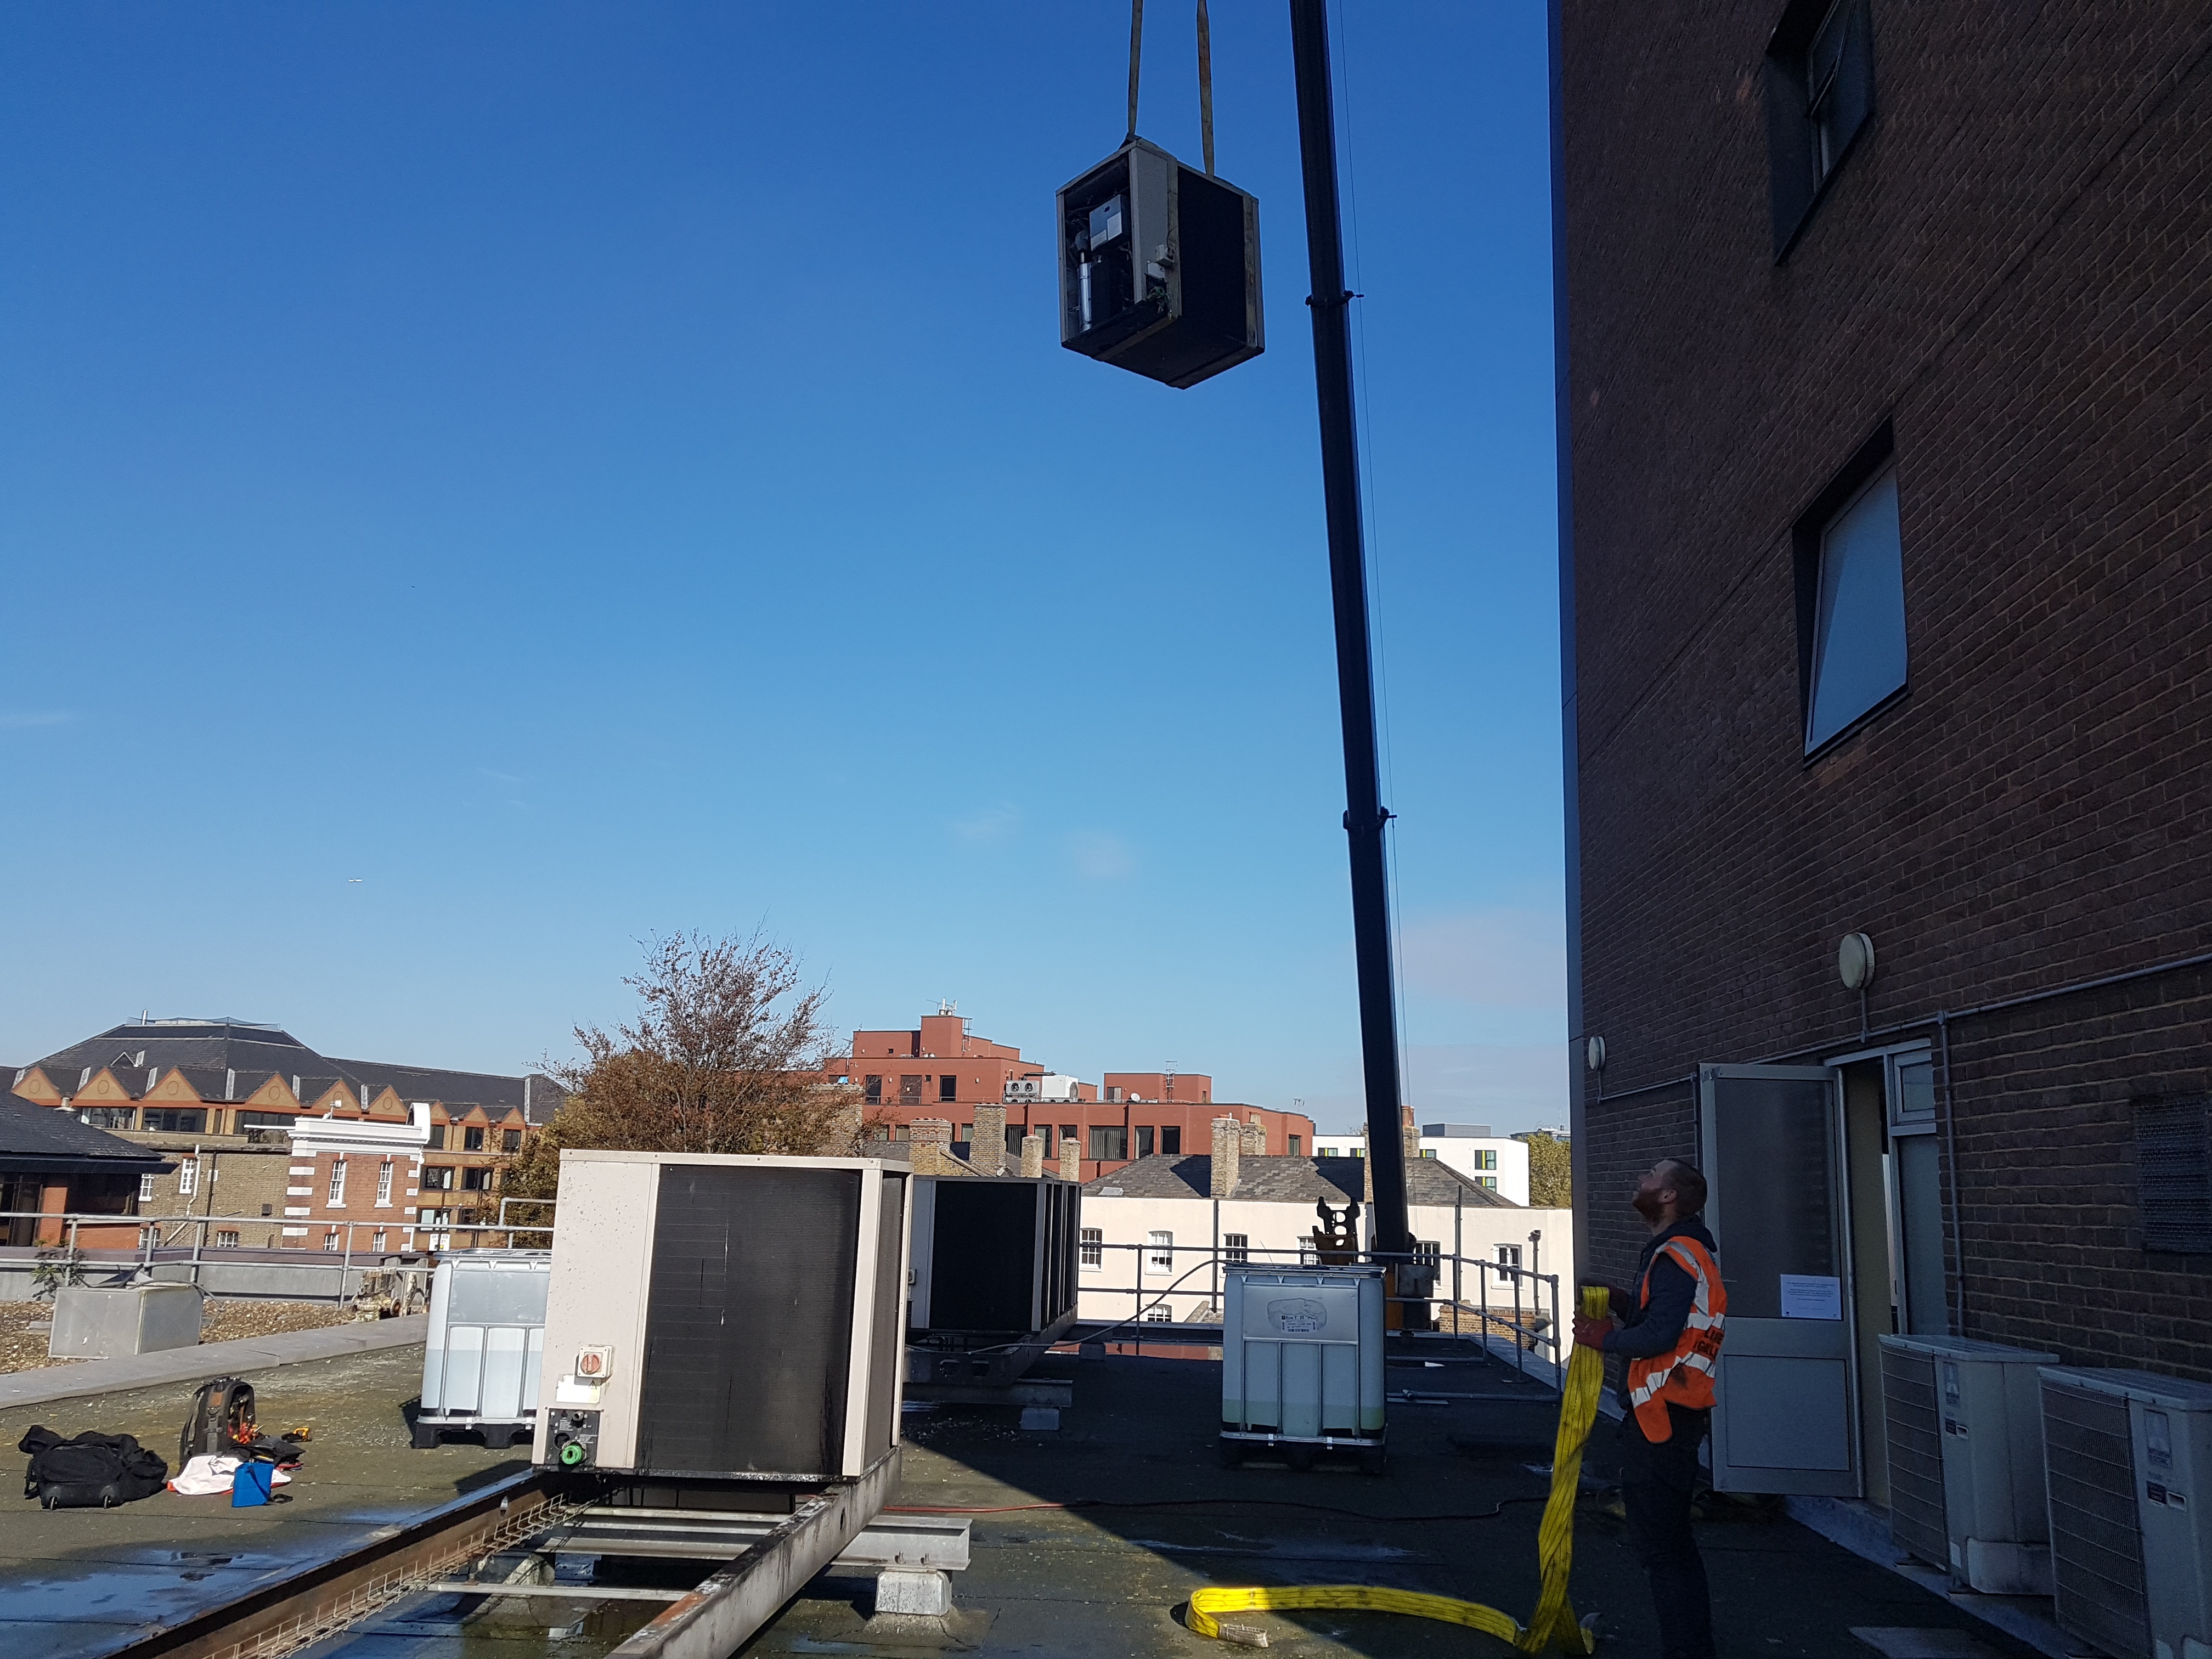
[940, 1069]
[1886, 476]
[222, 1100]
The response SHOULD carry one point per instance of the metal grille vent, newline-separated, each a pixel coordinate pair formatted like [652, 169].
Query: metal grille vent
[2173, 1173]
[2096, 1535]
[1915, 1435]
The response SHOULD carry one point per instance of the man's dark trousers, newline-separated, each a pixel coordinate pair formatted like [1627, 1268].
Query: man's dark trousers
[1657, 1482]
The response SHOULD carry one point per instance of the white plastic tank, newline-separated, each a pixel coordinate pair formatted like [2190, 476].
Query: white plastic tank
[486, 1345]
[1302, 1353]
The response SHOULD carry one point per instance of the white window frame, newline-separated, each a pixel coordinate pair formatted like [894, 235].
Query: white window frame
[1159, 1251]
[1159, 1313]
[188, 1177]
[225, 1239]
[1094, 1246]
[145, 1189]
[1236, 1248]
[338, 1183]
[384, 1185]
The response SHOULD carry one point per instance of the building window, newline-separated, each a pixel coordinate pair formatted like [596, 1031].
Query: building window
[2173, 1173]
[1819, 92]
[145, 1189]
[510, 1141]
[1114, 1096]
[226, 1239]
[1094, 1246]
[246, 1121]
[1486, 1158]
[1489, 1182]
[472, 1140]
[1509, 1255]
[1428, 1151]
[376, 1242]
[437, 1178]
[1235, 1247]
[910, 1090]
[108, 1117]
[1295, 1142]
[1108, 1142]
[1071, 1132]
[269, 1209]
[871, 1090]
[188, 1177]
[1144, 1140]
[337, 1181]
[331, 1240]
[1171, 1138]
[178, 1121]
[948, 1088]
[1159, 1314]
[1851, 597]
[384, 1182]
[438, 1137]
[1159, 1251]
[475, 1181]
[1428, 1251]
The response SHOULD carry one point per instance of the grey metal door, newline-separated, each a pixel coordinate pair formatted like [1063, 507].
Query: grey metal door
[1773, 1150]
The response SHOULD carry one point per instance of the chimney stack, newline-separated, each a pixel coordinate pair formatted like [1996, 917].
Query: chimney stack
[929, 1140]
[1071, 1158]
[1032, 1156]
[988, 1151]
[1228, 1146]
[1255, 1138]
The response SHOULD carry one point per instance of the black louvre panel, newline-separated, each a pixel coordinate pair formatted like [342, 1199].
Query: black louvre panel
[2096, 1534]
[2173, 1173]
[749, 1320]
[985, 1252]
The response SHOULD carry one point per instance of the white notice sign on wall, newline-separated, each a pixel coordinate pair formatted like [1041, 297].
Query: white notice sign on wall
[1808, 1295]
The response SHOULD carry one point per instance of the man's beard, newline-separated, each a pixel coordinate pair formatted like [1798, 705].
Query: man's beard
[1649, 1205]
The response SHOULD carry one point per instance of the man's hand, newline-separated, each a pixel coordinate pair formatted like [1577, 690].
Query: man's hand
[1591, 1332]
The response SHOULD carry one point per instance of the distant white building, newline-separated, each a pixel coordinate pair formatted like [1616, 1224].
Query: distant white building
[1154, 1230]
[1498, 1162]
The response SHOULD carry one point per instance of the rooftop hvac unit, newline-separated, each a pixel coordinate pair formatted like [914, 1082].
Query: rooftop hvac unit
[486, 1343]
[1964, 1433]
[1302, 1363]
[725, 1318]
[2130, 1475]
[994, 1274]
[1159, 267]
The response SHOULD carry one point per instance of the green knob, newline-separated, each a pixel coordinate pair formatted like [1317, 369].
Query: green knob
[571, 1452]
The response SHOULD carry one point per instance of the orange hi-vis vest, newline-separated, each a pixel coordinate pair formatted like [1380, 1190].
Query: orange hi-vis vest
[1683, 1376]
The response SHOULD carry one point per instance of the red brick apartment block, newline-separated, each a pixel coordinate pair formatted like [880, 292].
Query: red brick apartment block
[937, 1070]
[1885, 396]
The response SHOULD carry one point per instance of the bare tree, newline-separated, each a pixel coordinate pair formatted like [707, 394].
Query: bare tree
[728, 1054]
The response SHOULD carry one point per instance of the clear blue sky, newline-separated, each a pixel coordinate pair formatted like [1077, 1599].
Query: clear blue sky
[588, 471]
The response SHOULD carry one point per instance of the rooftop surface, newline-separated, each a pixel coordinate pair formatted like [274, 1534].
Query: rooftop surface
[1153, 1516]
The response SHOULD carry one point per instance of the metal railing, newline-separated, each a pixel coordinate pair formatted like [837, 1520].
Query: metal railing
[195, 1242]
[1525, 1307]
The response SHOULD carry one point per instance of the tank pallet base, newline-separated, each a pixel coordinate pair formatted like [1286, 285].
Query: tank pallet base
[429, 1431]
[1298, 1450]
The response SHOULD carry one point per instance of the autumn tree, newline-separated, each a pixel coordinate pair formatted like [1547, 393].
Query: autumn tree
[729, 1053]
[1551, 1170]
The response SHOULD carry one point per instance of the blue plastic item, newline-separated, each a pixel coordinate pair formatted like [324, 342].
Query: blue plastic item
[251, 1484]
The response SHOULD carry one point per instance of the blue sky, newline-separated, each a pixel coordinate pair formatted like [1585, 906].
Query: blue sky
[590, 471]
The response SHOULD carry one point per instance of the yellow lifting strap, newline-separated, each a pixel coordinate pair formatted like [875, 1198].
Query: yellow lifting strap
[1553, 1626]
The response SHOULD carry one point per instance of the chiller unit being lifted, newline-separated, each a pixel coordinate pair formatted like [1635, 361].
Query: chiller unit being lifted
[728, 1319]
[994, 1274]
[1964, 1424]
[1159, 267]
[2130, 1479]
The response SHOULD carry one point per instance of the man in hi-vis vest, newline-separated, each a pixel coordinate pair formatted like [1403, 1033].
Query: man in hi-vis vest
[1669, 1332]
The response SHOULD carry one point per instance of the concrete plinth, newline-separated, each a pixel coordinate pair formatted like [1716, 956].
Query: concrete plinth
[901, 1590]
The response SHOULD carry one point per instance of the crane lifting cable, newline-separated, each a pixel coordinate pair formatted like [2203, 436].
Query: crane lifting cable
[1551, 1628]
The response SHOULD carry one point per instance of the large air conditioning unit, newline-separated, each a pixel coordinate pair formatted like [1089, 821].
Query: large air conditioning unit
[1302, 1363]
[725, 1318]
[2130, 1478]
[1964, 1434]
[994, 1272]
[486, 1344]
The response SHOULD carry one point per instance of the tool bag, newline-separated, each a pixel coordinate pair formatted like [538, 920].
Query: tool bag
[91, 1471]
[221, 1425]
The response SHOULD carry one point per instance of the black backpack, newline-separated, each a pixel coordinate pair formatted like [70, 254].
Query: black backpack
[92, 1471]
[221, 1425]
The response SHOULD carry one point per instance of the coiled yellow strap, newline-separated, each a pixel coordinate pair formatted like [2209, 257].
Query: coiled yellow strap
[1553, 1625]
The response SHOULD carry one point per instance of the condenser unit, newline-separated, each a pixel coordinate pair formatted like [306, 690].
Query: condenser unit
[994, 1272]
[486, 1338]
[1159, 267]
[2130, 1458]
[1964, 1424]
[725, 1318]
[1302, 1363]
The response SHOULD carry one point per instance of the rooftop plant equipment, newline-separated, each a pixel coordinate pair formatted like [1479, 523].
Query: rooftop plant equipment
[1159, 262]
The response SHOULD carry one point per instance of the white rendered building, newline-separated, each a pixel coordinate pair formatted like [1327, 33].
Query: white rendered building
[1498, 1162]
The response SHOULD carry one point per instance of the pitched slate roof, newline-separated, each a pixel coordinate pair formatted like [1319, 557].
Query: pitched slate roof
[39, 1137]
[212, 1051]
[1294, 1181]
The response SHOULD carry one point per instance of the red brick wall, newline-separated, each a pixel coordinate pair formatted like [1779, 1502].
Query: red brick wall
[2011, 268]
